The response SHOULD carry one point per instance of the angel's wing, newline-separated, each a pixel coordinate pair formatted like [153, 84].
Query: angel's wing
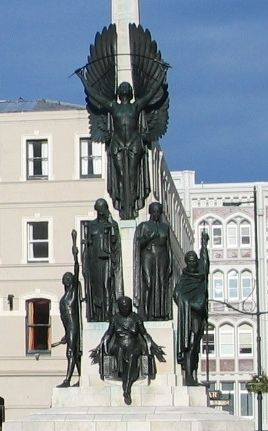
[99, 77]
[147, 65]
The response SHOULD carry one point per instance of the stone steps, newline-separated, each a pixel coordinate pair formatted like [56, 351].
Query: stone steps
[130, 418]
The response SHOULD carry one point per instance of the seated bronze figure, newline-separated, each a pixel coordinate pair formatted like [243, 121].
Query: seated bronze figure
[126, 350]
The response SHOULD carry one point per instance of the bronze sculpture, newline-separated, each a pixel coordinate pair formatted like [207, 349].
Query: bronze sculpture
[102, 264]
[70, 312]
[126, 340]
[191, 297]
[153, 267]
[126, 127]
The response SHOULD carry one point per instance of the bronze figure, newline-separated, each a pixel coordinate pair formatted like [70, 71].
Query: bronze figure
[127, 126]
[191, 297]
[70, 312]
[153, 267]
[102, 264]
[127, 342]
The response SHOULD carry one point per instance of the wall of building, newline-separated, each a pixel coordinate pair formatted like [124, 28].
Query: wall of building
[62, 199]
[206, 203]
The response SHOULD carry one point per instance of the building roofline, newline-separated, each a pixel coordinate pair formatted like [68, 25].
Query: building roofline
[22, 105]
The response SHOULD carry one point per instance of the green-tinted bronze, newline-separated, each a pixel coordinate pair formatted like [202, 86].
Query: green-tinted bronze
[127, 119]
[191, 297]
[126, 350]
[153, 267]
[70, 312]
[102, 264]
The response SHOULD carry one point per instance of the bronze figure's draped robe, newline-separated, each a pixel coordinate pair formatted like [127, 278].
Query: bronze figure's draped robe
[153, 267]
[191, 297]
[102, 265]
[127, 119]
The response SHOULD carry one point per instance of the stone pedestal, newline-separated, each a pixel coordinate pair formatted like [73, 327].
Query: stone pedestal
[130, 419]
[165, 390]
[127, 232]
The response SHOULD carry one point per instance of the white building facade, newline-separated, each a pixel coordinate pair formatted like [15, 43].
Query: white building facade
[226, 212]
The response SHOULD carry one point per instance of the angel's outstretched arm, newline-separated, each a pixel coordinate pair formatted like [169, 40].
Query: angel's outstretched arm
[93, 95]
[102, 100]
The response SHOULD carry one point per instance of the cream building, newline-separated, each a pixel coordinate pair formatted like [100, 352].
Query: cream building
[51, 175]
[226, 211]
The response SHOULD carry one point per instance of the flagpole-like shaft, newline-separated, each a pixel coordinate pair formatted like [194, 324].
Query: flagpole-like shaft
[123, 13]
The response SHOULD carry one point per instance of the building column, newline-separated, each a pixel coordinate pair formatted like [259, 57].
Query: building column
[123, 13]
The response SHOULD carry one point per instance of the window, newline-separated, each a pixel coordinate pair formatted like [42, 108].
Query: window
[212, 386]
[245, 401]
[226, 340]
[217, 286]
[246, 284]
[209, 340]
[38, 327]
[232, 285]
[232, 234]
[227, 388]
[245, 339]
[90, 158]
[37, 159]
[37, 234]
[244, 234]
[216, 234]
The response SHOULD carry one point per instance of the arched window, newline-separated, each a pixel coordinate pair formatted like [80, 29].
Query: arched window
[232, 234]
[232, 285]
[217, 286]
[208, 340]
[246, 284]
[38, 326]
[226, 340]
[245, 339]
[216, 234]
[245, 234]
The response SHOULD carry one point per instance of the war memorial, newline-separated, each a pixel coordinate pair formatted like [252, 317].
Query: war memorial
[132, 326]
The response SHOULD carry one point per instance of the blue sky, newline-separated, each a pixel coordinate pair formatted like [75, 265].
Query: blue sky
[218, 82]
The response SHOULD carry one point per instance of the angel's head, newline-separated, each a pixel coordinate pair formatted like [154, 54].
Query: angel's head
[124, 91]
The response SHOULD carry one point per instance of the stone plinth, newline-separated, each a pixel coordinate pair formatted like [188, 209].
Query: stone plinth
[111, 395]
[127, 231]
[130, 419]
[162, 333]
[92, 334]
[164, 390]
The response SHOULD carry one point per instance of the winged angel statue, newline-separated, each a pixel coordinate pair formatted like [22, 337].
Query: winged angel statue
[127, 127]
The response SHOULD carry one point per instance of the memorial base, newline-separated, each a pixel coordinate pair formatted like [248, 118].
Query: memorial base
[142, 395]
[130, 419]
